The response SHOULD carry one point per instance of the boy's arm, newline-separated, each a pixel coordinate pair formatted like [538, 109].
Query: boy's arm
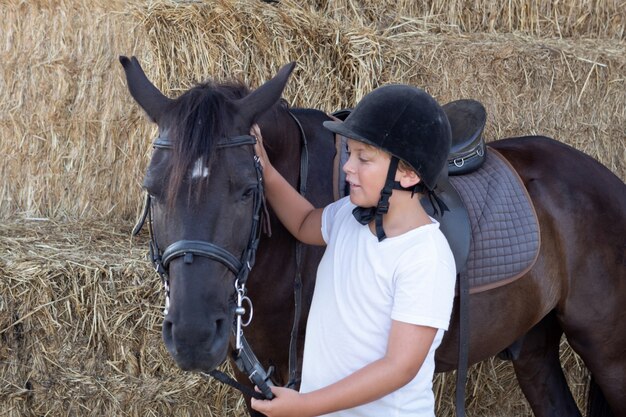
[294, 211]
[407, 348]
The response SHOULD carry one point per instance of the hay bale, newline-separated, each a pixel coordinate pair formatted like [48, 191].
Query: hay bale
[70, 131]
[80, 318]
[577, 18]
[570, 89]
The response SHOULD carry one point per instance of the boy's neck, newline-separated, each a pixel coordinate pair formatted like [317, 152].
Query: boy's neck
[405, 214]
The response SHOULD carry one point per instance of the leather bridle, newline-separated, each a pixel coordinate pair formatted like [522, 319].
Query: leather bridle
[240, 267]
[189, 248]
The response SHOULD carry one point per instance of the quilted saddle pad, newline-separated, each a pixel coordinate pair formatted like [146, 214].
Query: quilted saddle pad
[505, 235]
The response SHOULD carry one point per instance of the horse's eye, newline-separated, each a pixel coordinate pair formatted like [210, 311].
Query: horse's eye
[248, 192]
[153, 185]
[153, 192]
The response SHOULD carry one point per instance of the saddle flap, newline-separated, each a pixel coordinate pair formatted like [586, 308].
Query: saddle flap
[455, 224]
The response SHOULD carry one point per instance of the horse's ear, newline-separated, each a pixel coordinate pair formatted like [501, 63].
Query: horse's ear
[143, 91]
[264, 97]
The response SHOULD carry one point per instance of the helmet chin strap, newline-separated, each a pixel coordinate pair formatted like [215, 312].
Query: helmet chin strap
[437, 203]
[365, 215]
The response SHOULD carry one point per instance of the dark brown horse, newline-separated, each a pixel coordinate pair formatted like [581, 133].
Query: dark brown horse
[204, 188]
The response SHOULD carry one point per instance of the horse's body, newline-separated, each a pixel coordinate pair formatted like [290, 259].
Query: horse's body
[577, 285]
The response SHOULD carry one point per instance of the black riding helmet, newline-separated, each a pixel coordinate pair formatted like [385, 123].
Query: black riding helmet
[407, 123]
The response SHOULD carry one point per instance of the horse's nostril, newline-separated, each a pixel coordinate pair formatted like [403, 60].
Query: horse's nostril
[178, 335]
[167, 333]
[167, 325]
[220, 327]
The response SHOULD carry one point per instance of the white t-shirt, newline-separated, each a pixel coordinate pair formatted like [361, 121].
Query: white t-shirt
[362, 284]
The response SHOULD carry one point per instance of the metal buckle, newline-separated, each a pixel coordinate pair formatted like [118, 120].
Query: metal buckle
[240, 311]
[166, 289]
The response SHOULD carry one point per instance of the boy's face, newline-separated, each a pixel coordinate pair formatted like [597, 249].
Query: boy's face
[366, 172]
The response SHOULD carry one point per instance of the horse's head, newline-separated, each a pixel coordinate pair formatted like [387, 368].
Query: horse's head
[204, 202]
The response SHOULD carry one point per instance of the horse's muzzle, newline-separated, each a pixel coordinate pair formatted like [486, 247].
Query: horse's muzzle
[197, 346]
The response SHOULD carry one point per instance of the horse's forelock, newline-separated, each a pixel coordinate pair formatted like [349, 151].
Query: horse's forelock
[198, 120]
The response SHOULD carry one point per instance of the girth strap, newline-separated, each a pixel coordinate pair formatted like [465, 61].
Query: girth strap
[461, 373]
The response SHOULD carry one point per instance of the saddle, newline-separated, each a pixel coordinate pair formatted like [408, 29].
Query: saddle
[491, 227]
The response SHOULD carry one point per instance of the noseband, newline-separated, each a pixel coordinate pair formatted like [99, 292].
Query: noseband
[240, 267]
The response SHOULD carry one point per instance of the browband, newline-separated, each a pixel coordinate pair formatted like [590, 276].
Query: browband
[163, 142]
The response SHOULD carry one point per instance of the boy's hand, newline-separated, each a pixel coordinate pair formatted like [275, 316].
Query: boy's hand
[286, 403]
[295, 212]
[259, 148]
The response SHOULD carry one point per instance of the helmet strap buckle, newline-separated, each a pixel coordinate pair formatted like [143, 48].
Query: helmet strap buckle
[383, 203]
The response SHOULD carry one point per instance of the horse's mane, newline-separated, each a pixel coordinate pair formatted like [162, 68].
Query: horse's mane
[198, 123]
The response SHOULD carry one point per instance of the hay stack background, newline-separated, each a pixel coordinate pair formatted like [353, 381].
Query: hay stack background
[80, 309]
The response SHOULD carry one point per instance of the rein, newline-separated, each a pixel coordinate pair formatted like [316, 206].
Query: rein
[297, 284]
[242, 355]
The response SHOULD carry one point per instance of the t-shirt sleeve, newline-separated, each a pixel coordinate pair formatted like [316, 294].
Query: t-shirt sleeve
[424, 292]
[329, 216]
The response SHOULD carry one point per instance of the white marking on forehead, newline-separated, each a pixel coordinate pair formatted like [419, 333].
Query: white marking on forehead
[199, 171]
